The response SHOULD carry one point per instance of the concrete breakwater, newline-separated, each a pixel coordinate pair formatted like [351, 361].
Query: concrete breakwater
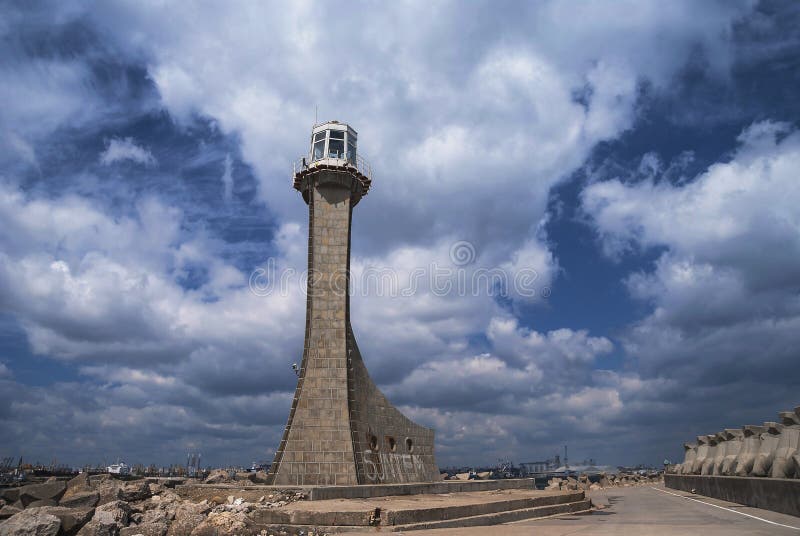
[768, 450]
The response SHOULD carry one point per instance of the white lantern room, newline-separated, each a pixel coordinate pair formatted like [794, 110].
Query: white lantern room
[333, 141]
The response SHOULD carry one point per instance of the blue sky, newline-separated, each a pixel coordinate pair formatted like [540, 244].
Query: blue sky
[639, 157]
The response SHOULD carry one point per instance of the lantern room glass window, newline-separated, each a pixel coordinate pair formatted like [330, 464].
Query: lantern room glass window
[318, 147]
[336, 144]
[351, 148]
[340, 144]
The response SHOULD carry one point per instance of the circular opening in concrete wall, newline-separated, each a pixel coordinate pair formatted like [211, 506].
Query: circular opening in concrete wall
[392, 443]
[409, 444]
[373, 442]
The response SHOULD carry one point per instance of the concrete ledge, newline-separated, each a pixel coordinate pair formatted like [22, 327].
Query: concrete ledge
[321, 493]
[251, 491]
[776, 494]
[406, 513]
[404, 510]
[584, 505]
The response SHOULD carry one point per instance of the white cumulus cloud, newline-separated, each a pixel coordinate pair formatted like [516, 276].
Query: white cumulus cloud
[122, 149]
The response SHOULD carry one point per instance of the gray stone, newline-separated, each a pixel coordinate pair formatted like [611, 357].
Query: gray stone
[246, 476]
[218, 476]
[82, 499]
[113, 512]
[108, 520]
[78, 484]
[261, 477]
[145, 529]
[8, 511]
[184, 524]
[72, 519]
[96, 528]
[42, 502]
[134, 491]
[10, 495]
[31, 523]
[187, 517]
[156, 515]
[224, 524]
[52, 490]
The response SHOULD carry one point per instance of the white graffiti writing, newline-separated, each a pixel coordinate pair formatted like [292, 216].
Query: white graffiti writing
[392, 467]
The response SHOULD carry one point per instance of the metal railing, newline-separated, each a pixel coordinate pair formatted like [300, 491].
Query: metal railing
[304, 162]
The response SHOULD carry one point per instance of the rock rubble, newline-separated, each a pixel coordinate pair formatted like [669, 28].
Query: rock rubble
[605, 481]
[104, 506]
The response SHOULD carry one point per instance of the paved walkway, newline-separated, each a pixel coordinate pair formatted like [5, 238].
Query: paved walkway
[647, 510]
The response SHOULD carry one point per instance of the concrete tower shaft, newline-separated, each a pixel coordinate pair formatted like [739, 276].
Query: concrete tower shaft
[341, 430]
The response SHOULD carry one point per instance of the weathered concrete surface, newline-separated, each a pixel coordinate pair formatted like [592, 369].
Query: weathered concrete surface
[776, 494]
[341, 429]
[198, 492]
[689, 455]
[766, 450]
[643, 511]
[733, 444]
[751, 443]
[785, 464]
[413, 512]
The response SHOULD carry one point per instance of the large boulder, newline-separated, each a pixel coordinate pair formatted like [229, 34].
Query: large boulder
[51, 490]
[224, 524]
[8, 511]
[42, 502]
[246, 476]
[218, 476]
[187, 516]
[31, 523]
[72, 519]
[108, 520]
[111, 489]
[261, 477]
[78, 484]
[145, 529]
[81, 499]
[113, 512]
[134, 491]
[156, 515]
[10, 495]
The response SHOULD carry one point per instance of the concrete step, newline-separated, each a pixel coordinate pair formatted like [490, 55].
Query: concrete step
[495, 518]
[446, 513]
[421, 512]
[404, 510]
[498, 518]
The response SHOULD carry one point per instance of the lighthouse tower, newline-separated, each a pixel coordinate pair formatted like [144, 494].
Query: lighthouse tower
[342, 430]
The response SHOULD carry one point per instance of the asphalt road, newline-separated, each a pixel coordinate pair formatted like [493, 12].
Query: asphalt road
[646, 510]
